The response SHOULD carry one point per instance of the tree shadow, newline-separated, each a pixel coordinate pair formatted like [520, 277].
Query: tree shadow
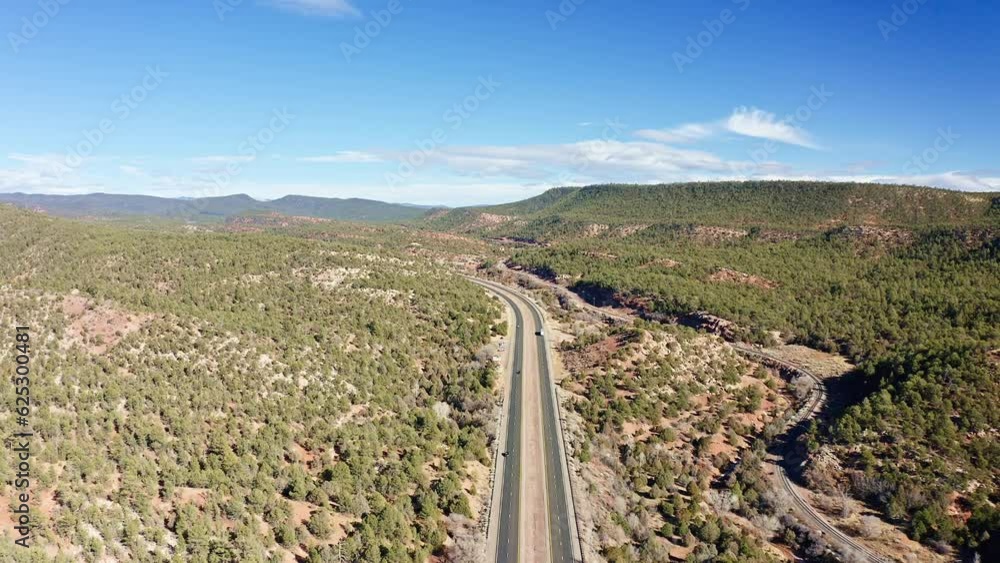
[842, 393]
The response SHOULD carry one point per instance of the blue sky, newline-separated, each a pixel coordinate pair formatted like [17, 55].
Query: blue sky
[475, 102]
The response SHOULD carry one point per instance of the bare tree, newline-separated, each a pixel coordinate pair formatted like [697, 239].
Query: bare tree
[769, 525]
[850, 555]
[779, 499]
[846, 509]
[870, 527]
[817, 545]
[468, 546]
[802, 386]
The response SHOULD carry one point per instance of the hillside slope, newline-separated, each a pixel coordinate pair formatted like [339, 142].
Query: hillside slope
[221, 397]
[900, 280]
[810, 206]
[211, 208]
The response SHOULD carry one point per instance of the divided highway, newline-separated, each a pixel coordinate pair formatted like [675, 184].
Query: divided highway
[507, 526]
[536, 521]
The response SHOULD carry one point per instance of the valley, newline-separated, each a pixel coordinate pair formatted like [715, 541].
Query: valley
[721, 385]
[380, 281]
[876, 294]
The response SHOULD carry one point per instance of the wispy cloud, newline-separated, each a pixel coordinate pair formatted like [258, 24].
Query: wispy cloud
[432, 191]
[748, 122]
[46, 163]
[342, 157]
[753, 122]
[684, 134]
[635, 160]
[43, 173]
[334, 8]
[953, 180]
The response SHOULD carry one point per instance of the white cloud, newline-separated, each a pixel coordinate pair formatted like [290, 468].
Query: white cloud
[49, 174]
[46, 164]
[428, 191]
[43, 173]
[749, 122]
[342, 157]
[765, 125]
[34, 158]
[336, 8]
[600, 161]
[954, 180]
[684, 134]
[636, 161]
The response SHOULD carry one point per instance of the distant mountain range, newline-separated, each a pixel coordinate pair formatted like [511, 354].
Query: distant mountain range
[212, 208]
[813, 206]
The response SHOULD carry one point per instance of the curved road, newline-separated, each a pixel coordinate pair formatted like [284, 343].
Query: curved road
[536, 518]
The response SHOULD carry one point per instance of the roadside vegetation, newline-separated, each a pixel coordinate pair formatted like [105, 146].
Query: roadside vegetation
[665, 413]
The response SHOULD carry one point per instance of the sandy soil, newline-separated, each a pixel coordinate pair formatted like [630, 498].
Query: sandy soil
[725, 275]
[476, 485]
[98, 327]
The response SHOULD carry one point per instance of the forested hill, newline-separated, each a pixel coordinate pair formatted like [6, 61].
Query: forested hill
[212, 208]
[901, 280]
[815, 206]
[243, 397]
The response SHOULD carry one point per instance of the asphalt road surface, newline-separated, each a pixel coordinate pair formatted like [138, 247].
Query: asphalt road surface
[543, 529]
[510, 506]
